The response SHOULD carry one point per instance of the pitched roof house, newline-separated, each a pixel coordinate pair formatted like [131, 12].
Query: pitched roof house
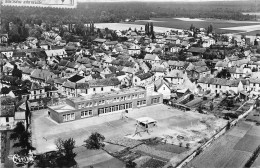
[143, 79]
[42, 75]
[152, 58]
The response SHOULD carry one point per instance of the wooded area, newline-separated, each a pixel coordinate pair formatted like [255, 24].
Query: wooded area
[116, 12]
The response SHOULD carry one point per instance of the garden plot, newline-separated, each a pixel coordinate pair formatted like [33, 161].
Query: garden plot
[237, 132]
[122, 141]
[237, 159]
[254, 116]
[255, 131]
[215, 154]
[126, 155]
[244, 126]
[142, 160]
[111, 148]
[149, 151]
[231, 150]
[248, 143]
[154, 163]
[256, 162]
[170, 148]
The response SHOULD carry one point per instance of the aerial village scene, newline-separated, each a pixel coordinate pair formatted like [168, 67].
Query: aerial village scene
[137, 84]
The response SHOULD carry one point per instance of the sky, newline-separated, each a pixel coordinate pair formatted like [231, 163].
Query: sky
[154, 0]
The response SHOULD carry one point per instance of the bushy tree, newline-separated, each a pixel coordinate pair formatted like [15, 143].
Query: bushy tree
[24, 143]
[95, 141]
[254, 69]
[187, 145]
[228, 126]
[200, 109]
[5, 90]
[17, 131]
[224, 73]
[230, 103]
[65, 148]
[130, 164]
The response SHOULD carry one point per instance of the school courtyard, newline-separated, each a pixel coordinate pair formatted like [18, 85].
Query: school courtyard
[45, 131]
[171, 123]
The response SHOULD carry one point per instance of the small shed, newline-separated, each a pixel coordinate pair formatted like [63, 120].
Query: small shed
[146, 122]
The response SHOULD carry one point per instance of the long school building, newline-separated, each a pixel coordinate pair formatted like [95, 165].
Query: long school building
[77, 108]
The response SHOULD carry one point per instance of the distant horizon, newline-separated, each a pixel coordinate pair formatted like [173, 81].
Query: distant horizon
[160, 1]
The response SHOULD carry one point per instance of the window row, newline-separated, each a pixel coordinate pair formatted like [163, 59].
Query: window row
[155, 100]
[87, 113]
[115, 108]
[69, 117]
[141, 103]
[108, 101]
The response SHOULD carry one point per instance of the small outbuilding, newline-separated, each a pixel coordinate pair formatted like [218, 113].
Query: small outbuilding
[146, 122]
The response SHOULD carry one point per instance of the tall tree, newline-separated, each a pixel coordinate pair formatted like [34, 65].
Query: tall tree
[16, 72]
[17, 131]
[151, 28]
[22, 138]
[255, 42]
[210, 28]
[191, 27]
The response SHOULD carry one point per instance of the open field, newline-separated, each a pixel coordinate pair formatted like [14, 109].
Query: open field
[220, 26]
[192, 126]
[231, 150]
[126, 26]
[251, 13]
[244, 28]
[190, 19]
[166, 24]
